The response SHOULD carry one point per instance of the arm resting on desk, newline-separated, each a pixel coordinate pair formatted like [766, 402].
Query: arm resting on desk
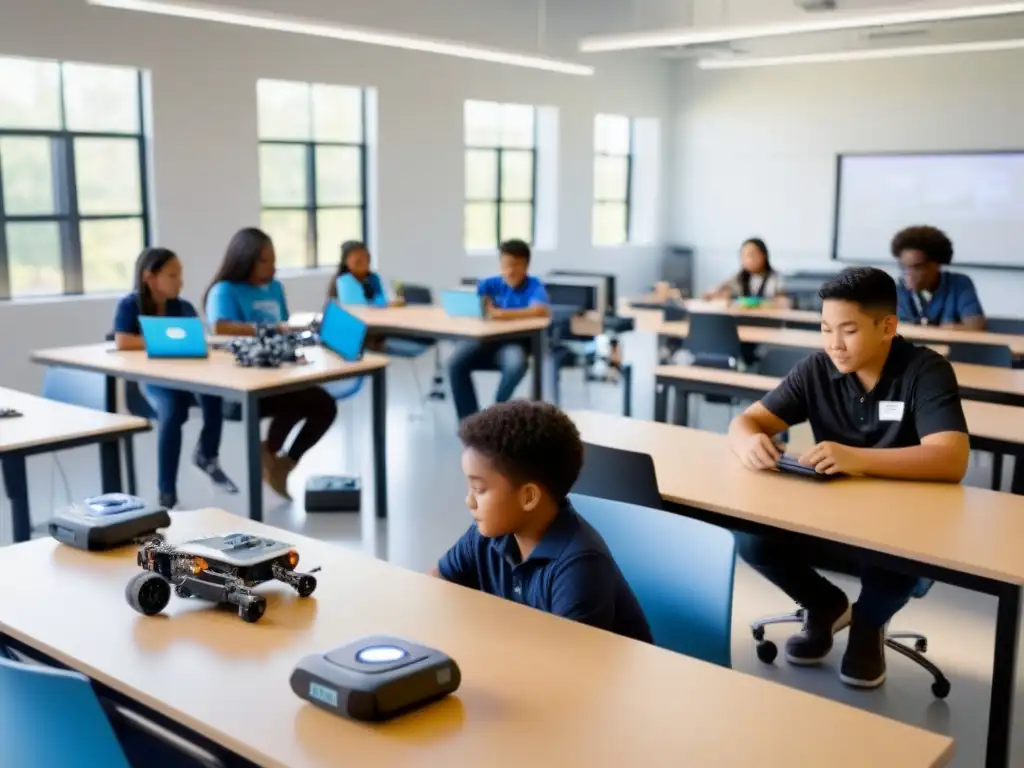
[129, 342]
[537, 310]
[750, 437]
[967, 324]
[940, 457]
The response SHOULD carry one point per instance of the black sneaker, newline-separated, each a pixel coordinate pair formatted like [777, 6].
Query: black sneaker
[211, 468]
[813, 644]
[864, 661]
[168, 501]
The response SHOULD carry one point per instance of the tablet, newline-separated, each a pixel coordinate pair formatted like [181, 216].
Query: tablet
[790, 466]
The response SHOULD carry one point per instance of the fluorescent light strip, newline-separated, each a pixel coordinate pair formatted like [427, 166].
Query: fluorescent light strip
[864, 55]
[822, 22]
[280, 23]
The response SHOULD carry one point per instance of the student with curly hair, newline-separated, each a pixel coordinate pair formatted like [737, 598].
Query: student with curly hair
[527, 544]
[929, 295]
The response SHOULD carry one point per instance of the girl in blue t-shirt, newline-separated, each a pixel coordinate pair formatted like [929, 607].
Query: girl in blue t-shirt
[158, 282]
[243, 294]
[355, 282]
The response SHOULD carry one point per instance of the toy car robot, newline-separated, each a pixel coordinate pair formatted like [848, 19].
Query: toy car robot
[221, 569]
[271, 348]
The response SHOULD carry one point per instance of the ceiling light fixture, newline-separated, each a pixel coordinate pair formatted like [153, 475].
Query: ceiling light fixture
[862, 55]
[316, 28]
[826, 22]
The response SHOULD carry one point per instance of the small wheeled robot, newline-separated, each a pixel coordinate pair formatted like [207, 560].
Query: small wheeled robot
[221, 569]
[271, 348]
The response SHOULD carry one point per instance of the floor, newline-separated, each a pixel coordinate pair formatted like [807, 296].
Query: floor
[427, 513]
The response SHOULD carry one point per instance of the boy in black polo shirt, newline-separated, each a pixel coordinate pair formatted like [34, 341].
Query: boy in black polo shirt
[527, 543]
[878, 406]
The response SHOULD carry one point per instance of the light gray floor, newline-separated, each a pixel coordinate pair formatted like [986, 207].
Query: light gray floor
[427, 513]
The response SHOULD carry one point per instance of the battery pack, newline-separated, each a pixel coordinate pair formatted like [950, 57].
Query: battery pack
[333, 493]
[105, 522]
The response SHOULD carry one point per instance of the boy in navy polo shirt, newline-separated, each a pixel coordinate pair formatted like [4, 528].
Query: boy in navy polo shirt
[527, 544]
[512, 295]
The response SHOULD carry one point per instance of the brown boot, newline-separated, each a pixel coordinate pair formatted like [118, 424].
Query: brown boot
[276, 470]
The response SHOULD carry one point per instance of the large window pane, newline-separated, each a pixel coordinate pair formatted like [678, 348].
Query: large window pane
[481, 174]
[290, 232]
[517, 221]
[109, 251]
[283, 177]
[26, 165]
[34, 259]
[483, 124]
[101, 99]
[337, 114]
[517, 126]
[611, 176]
[481, 226]
[517, 176]
[610, 223]
[29, 94]
[107, 174]
[334, 227]
[338, 176]
[611, 134]
[284, 110]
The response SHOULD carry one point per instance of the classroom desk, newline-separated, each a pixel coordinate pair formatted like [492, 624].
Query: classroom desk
[969, 537]
[46, 426]
[430, 322]
[219, 375]
[536, 689]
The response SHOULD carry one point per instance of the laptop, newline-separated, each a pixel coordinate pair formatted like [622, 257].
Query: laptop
[174, 337]
[462, 303]
[342, 333]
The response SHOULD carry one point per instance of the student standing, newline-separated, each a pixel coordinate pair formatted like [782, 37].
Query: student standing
[756, 278]
[356, 282]
[879, 406]
[512, 295]
[158, 284]
[527, 543]
[928, 294]
[244, 294]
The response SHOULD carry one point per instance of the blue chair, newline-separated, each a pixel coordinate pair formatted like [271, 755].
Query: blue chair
[998, 355]
[680, 569]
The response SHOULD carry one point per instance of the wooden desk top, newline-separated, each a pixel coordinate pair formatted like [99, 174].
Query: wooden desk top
[219, 370]
[431, 321]
[45, 422]
[969, 530]
[535, 688]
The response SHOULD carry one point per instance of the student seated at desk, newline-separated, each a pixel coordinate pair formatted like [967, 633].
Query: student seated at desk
[158, 284]
[527, 543]
[879, 406]
[243, 294]
[929, 295]
[512, 295]
[355, 282]
[756, 278]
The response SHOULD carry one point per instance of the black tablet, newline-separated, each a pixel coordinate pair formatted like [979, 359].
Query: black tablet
[791, 466]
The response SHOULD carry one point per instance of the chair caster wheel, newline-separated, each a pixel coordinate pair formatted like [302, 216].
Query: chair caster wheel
[940, 688]
[921, 646]
[767, 651]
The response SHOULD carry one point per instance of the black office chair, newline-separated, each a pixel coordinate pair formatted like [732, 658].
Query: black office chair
[998, 355]
[779, 361]
[617, 475]
[1013, 325]
[714, 340]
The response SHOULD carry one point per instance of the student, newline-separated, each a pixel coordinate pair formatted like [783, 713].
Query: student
[158, 283]
[527, 544]
[928, 295]
[243, 294]
[355, 282]
[512, 295]
[879, 406]
[756, 278]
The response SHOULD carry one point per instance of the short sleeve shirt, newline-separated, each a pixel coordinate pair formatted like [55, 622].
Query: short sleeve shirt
[126, 315]
[246, 303]
[528, 293]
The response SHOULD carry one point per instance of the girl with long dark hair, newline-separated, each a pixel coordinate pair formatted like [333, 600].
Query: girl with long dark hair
[756, 278]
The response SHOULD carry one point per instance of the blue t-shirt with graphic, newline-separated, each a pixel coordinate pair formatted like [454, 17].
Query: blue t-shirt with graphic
[503, 296]
[351, 291]
[246, 303]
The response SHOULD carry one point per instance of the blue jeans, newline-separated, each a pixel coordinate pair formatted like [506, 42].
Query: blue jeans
[172, 407]
[511, 359]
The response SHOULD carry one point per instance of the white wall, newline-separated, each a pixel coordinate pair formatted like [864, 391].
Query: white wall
[204, 149]
[756, 148]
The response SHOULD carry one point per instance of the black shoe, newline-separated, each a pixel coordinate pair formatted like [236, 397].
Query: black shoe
[168, 501]
[813, 644]
[864, 661]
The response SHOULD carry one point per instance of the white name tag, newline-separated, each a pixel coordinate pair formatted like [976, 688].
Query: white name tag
[890, 410]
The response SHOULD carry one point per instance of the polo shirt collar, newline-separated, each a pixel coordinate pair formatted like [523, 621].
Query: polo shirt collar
[557, 537]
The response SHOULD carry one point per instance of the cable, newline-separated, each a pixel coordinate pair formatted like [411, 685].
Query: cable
[64, 478]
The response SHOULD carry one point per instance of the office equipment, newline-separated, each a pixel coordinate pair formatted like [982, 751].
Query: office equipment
[375, 678]
[789, 465]
[328, 493]
[608, 280]
[342, 333]
[462, 304]
[174, 337]
[104, 522]
[597, 283]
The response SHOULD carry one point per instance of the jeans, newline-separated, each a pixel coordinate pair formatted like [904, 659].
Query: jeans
[172, 407]
[791, 567]
[510, 358]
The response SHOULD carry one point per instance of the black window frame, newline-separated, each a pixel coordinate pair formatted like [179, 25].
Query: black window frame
[628, 199]
[499, 150]
[311, 208]
[65, 192]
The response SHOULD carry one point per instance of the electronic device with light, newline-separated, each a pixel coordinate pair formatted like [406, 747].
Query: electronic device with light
[342, 333]
[375, 678]
[104, 522]
[333, 493]
[462, 303]
[174, 337]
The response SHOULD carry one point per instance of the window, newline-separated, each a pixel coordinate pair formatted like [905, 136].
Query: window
[312, 169]
[501, 172]
[73, 206]
[613, 179]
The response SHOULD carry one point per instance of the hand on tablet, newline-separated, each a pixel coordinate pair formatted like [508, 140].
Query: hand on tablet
[760, 452]
[832, 459]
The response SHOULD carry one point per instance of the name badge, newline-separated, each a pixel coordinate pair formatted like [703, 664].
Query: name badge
[890, 410]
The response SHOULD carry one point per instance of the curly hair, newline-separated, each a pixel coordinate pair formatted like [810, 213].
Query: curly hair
[528, 442]
[931, 241]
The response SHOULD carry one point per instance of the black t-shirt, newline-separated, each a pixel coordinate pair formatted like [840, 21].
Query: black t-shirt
[917, 395]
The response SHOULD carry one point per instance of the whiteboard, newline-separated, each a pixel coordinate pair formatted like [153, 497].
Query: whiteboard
[975, 198]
